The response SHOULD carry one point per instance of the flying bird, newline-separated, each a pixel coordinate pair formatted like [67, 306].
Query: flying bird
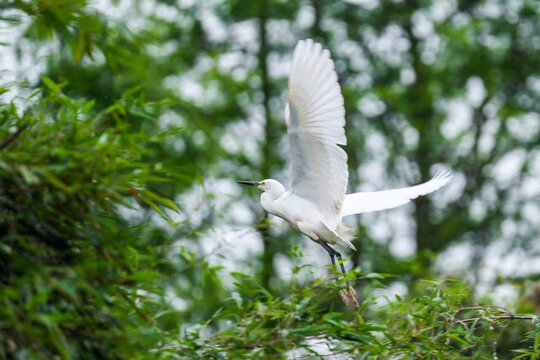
[316, 202]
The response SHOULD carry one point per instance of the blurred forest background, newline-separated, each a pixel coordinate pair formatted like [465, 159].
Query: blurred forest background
[125, 124]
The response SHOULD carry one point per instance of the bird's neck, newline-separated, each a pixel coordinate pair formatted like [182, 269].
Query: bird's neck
[268, 197]
[273, 194]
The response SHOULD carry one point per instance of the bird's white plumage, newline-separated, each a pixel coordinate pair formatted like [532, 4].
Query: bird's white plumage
[381, 200]
[315, 118]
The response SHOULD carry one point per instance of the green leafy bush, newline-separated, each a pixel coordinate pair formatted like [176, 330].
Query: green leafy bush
[441, 321]
[72, 269]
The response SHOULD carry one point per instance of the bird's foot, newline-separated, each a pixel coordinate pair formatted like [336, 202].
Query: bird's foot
[352, 296]
[349, 298]
[345, 297]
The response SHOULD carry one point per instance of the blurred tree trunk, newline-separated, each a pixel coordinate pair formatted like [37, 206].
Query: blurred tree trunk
[421, 117]
[354, 164]
[269, 139]
[316, 30]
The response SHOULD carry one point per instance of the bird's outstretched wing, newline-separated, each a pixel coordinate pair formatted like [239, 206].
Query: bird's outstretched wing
[315, 118]
[380, 200]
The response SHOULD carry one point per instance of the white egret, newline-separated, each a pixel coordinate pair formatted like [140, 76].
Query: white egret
[317, 201]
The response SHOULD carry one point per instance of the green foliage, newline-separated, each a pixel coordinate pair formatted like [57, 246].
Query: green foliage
[70, 20]
[440, 322]
[72, 268]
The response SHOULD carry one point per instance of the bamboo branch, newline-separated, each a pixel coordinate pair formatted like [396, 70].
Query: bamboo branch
[7, 141]
[500, 317]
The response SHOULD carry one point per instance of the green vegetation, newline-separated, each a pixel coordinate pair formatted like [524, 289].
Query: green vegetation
[121, 120]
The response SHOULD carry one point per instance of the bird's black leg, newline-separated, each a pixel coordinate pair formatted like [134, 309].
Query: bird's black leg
[333, 253]
[340, 261]
[330, 251]
[349, 298]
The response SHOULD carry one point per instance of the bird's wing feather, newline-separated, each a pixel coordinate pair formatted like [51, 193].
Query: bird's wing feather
[380, 200]
[315, 118]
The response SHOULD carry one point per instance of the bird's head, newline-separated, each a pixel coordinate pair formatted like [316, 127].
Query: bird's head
[271, 186]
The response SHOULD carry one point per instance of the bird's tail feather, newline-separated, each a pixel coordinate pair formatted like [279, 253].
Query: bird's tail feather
[342, 235]
[347, 234]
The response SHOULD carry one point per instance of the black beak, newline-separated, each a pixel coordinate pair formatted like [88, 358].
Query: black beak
[252, 183]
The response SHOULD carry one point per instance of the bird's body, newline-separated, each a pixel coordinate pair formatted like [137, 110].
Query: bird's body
[304, 216]
[316, 202]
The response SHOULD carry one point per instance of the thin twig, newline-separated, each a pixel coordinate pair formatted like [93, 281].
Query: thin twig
[482, 307]
[175, 347]
[138, 311]
[507, 314]
[499, 317]
[4, 144]
[8, 221]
